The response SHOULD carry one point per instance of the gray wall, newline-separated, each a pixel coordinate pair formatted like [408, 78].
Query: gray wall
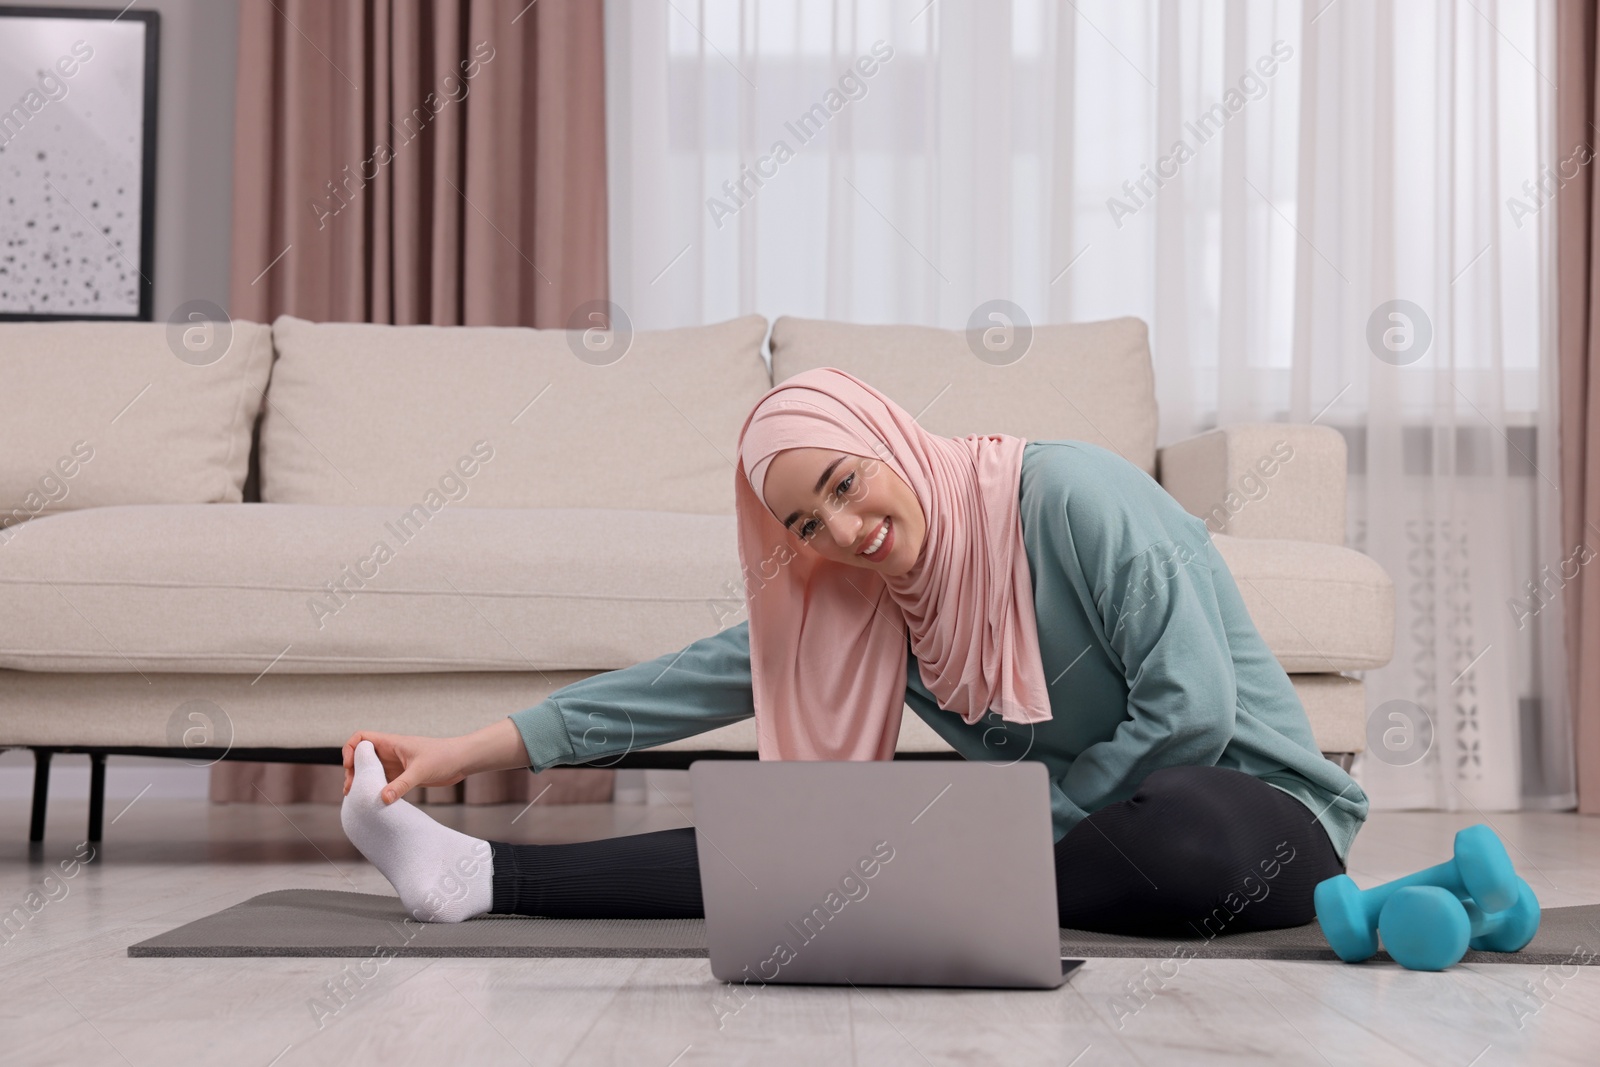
[194, 150]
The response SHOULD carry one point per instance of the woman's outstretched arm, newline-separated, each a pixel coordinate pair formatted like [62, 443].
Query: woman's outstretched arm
[678, 694]
[606, 715]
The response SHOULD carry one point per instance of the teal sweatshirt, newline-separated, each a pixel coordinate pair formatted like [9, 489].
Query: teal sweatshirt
[1151, 658]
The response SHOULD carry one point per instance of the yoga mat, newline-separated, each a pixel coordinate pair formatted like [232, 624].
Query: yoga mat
[321, 922]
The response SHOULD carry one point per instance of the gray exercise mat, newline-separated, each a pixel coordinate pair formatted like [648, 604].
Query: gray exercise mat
[322, 922]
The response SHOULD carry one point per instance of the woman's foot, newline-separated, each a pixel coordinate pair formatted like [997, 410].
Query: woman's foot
[442, 875]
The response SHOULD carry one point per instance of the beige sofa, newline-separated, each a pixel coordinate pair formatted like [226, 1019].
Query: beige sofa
[249, 541]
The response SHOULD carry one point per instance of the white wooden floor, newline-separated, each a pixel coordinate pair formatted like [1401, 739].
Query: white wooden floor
[69, 993]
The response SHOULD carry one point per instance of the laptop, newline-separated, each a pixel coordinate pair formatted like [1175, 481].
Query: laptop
[925, 873]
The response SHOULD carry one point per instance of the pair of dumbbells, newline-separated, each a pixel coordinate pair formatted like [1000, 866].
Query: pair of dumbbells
[1429, 919]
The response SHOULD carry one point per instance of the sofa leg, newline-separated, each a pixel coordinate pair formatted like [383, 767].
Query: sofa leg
[97, 794]
[41, 793]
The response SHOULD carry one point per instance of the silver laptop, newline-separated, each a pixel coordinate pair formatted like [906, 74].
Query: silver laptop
[878, 873]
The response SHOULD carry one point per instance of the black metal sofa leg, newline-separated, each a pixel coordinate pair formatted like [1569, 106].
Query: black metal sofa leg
[41, 793]
[97, 794]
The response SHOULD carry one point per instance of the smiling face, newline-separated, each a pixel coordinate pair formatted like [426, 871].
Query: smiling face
[838, 504]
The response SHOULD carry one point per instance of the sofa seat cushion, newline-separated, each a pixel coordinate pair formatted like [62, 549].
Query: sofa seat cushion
[1321, 608]
[308, 589]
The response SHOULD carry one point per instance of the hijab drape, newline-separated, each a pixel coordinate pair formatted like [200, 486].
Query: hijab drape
[828, 641]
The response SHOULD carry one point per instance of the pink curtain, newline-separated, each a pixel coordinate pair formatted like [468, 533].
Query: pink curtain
[1578, 274]
[418, 161]
[430, 161]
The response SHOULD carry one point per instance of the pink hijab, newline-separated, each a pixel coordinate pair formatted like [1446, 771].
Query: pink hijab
[827, 640]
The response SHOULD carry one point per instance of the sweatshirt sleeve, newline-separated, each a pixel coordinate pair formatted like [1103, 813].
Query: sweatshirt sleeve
[675, 695]
[1163, 624]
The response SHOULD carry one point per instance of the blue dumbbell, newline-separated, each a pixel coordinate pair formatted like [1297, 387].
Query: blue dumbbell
[1480, 870]
[1426, 928]
[1504, 931]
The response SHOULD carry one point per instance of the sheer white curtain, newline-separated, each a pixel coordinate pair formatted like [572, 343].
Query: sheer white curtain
[1256, 180]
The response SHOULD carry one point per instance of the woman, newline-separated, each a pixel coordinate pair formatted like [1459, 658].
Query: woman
[1043, 600]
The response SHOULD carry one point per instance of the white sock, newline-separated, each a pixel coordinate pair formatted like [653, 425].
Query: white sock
[442, 875]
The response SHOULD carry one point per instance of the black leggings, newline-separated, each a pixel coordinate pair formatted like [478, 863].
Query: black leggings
[1202, 850]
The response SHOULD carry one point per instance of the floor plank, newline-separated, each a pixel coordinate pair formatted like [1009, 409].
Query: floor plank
[69, 994]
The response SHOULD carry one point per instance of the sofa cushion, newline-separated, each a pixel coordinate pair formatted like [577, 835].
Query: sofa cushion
[1319, 607]
[371, 414]
[321, 589]
[316, 589]
[1088, 381]
[98, 413]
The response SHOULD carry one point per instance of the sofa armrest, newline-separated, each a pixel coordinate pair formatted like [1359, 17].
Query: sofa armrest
[1266, 479]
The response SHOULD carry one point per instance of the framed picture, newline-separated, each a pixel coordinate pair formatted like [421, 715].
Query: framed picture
[77, 163]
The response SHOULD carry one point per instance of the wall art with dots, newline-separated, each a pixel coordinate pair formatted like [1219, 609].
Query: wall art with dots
[77, 162]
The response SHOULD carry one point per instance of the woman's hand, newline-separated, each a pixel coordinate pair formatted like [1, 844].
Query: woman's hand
[410, 761]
